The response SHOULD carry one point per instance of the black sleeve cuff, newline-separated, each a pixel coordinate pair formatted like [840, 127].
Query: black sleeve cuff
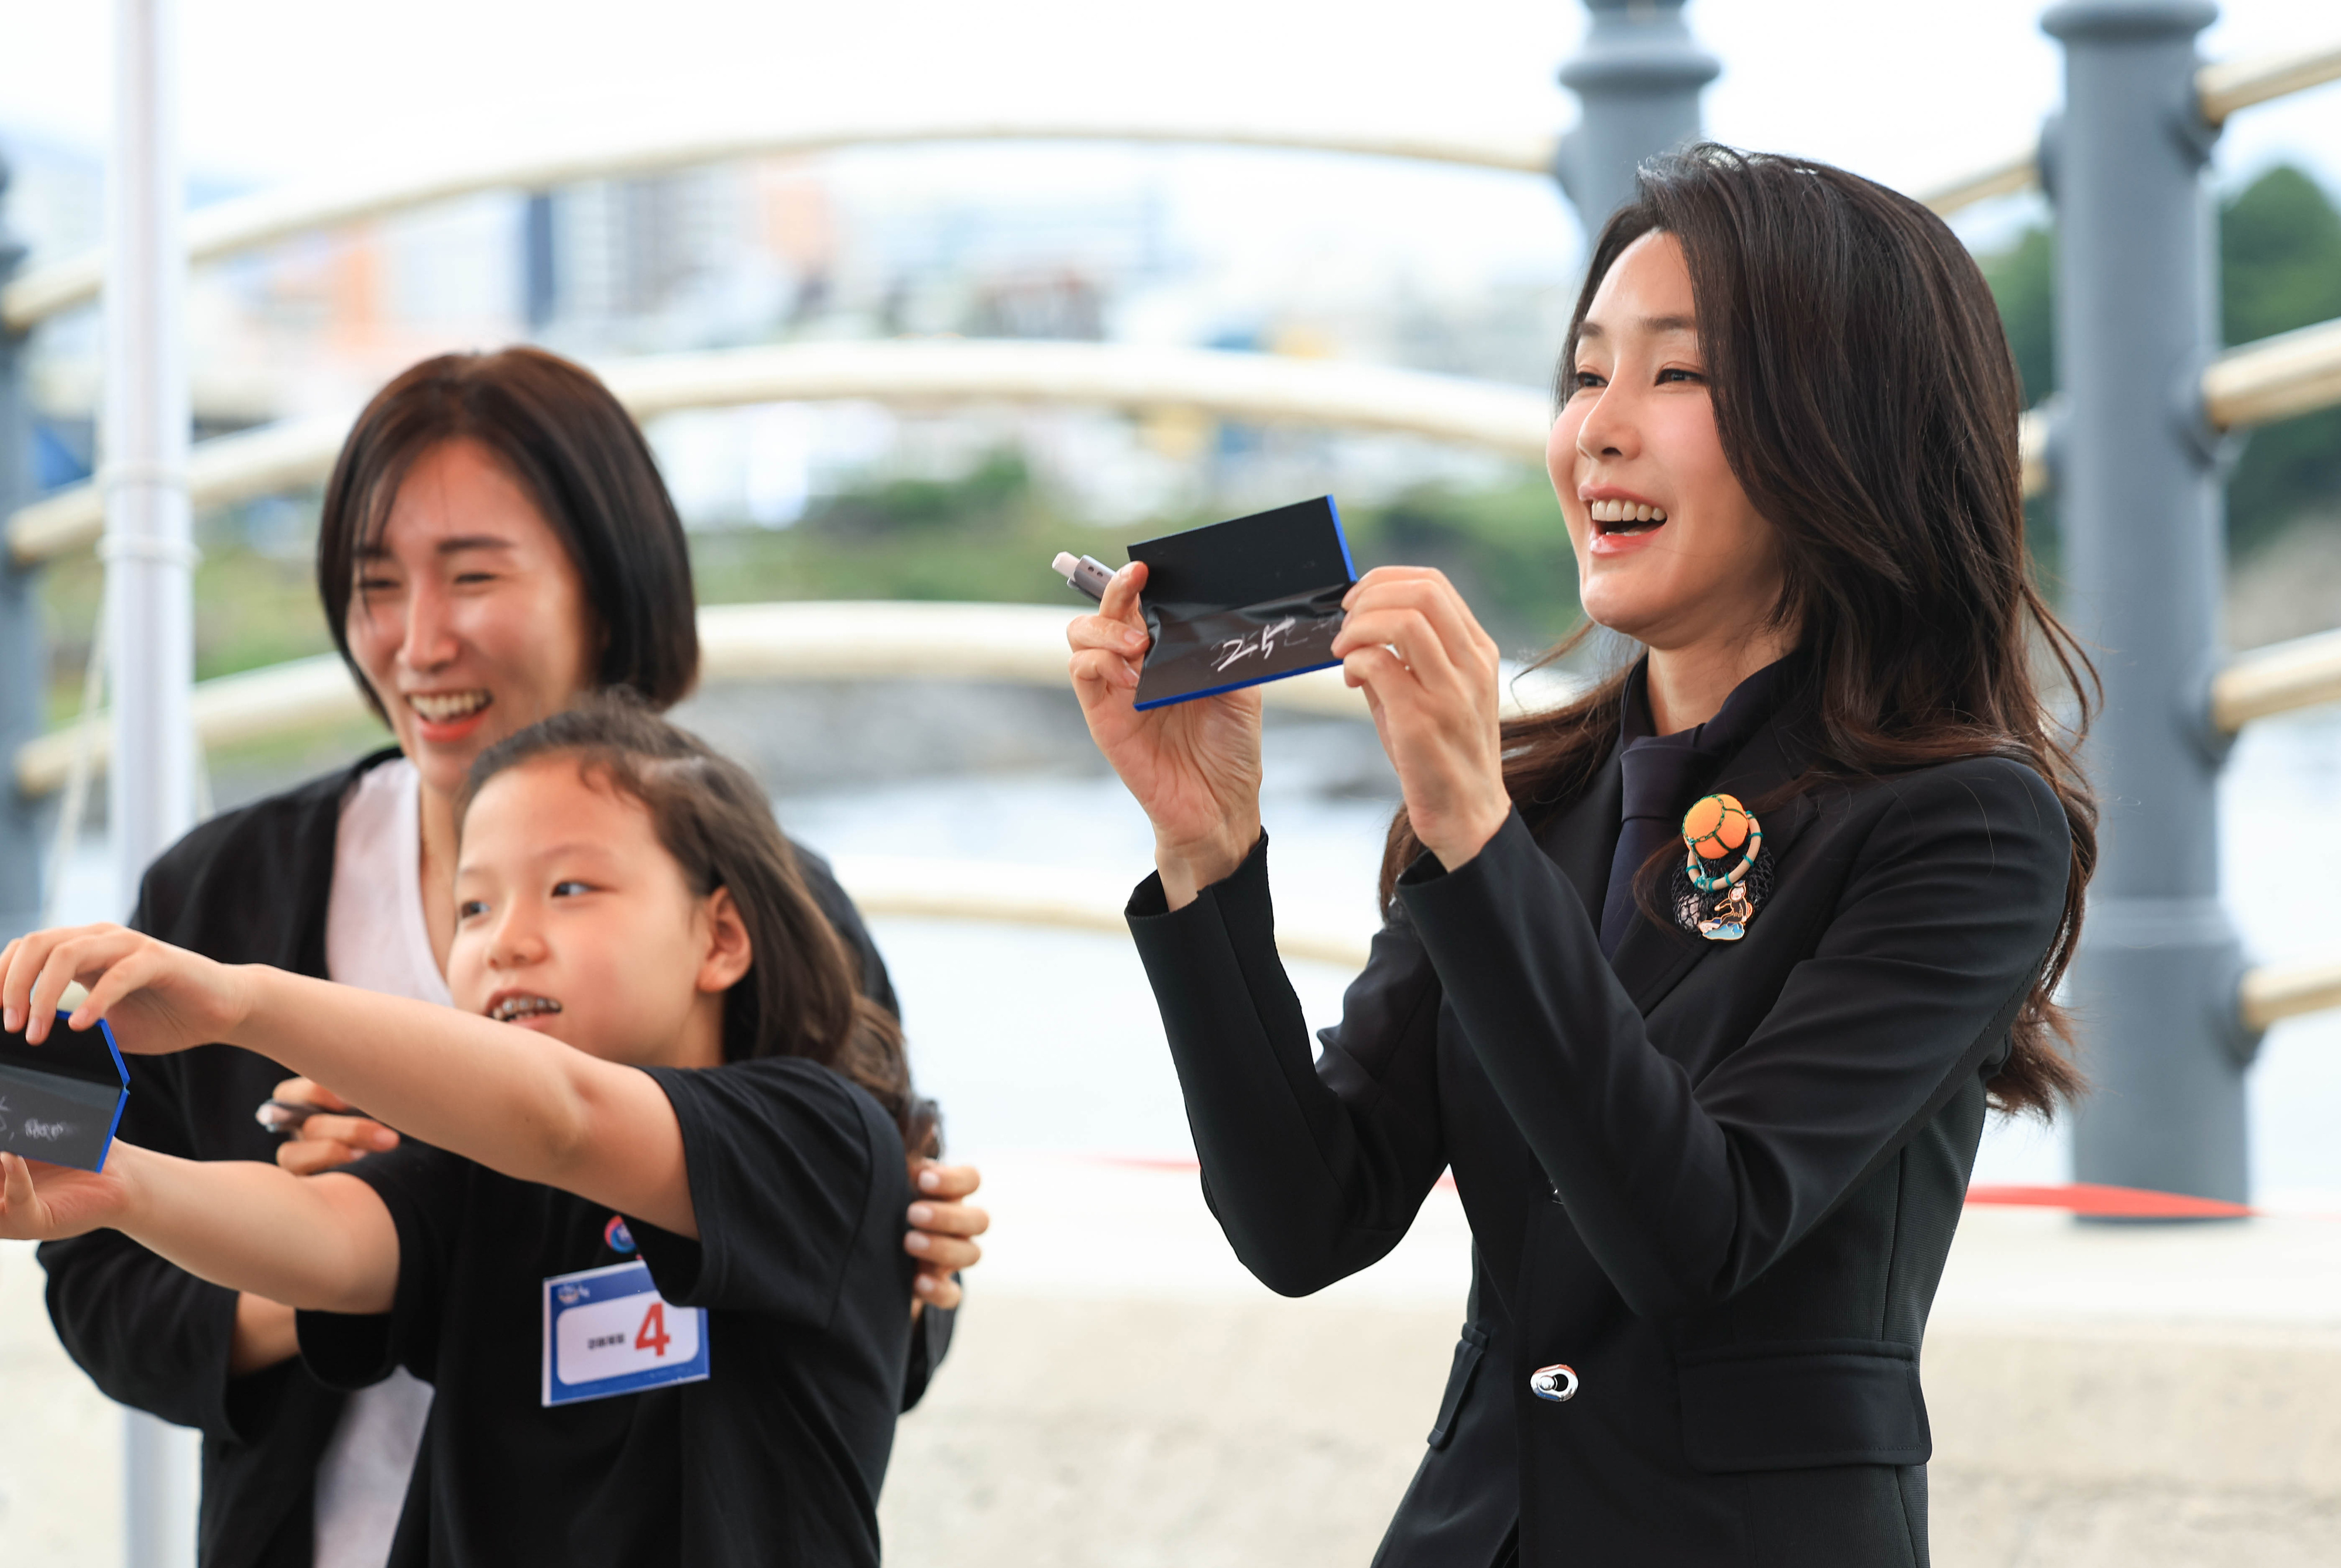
[930, 1338]
[348, 1352]
[1428, 872]
[1248, 883]
[1427, 867]
[677, 1263]
[1512, 838]
[150, 1335]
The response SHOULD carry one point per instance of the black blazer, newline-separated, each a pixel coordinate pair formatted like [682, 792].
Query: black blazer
[1718, 1180]
[250, 886]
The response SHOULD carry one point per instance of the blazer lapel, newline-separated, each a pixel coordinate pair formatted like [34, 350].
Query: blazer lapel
[1652, 958]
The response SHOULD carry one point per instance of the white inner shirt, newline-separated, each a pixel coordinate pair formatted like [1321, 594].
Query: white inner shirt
[375, 938]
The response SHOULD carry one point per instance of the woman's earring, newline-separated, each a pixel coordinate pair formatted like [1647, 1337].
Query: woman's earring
[1715, 902]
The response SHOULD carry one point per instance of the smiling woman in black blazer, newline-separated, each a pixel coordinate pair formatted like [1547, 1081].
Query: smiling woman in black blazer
[1711, 1073]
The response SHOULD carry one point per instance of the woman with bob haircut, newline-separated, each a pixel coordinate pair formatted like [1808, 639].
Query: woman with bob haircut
[1704, 983]
[495, 546]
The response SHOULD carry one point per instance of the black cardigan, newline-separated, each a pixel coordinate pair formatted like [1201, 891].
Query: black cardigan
[1718, 1180]
[252, 886]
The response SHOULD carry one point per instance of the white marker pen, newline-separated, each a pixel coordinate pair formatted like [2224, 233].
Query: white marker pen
[1081, 572]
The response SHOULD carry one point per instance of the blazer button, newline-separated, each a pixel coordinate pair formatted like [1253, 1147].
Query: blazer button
[1555, 1383]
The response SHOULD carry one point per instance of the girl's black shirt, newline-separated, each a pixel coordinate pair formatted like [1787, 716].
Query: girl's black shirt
[798, 1183]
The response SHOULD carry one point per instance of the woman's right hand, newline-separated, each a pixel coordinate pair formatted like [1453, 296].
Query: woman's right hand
[1193, 767]
[157, 997]
[330, 1138]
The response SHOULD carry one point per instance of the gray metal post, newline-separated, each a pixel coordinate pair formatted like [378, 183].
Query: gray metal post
[2138, 497]
[540, 267]
[1638, 78]
[23, 651]
[149, 599]
[148, 547]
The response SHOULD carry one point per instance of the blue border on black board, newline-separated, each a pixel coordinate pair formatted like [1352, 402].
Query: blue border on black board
[1346, 564]
[121, 1101]
[1234, 686]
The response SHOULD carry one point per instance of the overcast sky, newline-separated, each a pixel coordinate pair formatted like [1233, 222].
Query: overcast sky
[1906, 92]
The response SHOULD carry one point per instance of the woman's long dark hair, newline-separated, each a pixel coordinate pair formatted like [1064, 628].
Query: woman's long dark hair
[801, 996]
[1867, 403]
[580, 456]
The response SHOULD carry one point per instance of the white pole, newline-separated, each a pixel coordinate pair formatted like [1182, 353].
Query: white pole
[149, 601]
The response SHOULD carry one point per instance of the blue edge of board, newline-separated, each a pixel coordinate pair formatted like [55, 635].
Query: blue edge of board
[121, 1101]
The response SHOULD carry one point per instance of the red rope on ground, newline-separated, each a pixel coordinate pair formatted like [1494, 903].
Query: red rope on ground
[2110, 1203]
[2075, 1197]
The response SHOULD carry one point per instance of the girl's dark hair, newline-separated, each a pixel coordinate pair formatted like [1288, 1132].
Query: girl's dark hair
[802, 995]
[1868, 403]
[581, 459]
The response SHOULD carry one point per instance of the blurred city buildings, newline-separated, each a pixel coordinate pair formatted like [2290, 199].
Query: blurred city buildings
[772, 251]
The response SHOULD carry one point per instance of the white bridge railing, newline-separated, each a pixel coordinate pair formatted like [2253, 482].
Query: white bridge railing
[820, 640]
[246, 223]
[2283, 376]
[2222, 89]
[1257, 388]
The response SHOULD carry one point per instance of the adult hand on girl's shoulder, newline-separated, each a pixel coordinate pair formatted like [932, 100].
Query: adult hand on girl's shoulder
[158, 998]
[44, 1202]
[1432, 678]
[1193, 767]
[944, 1228]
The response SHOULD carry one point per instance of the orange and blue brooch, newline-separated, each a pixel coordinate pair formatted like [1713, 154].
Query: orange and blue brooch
[1716, 895]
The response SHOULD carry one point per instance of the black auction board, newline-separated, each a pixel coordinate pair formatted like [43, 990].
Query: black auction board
[1235, 603]
[61, 1100]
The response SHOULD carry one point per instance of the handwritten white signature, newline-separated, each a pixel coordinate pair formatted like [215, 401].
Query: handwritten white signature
[1259, 645]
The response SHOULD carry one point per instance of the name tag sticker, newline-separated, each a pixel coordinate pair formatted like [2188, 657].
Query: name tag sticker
[608, 1332]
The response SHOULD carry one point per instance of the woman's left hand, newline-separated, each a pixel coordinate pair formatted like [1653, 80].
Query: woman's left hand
[944, 1228]
[332, 1137]
[1430, 678]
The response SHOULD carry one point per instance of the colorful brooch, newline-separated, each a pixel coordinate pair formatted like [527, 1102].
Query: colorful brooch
[1716, 903]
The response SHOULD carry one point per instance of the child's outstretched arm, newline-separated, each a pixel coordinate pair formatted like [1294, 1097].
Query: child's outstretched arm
[324, 1242]
[514, 1101]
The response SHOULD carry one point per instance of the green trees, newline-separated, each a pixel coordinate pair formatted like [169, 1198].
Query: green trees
[2280, 268]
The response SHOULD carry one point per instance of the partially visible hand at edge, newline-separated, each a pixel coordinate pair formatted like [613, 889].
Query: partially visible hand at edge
[331, 1138]
[944, 1228]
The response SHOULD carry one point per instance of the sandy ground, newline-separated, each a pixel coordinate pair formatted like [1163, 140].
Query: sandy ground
[1122, 1395]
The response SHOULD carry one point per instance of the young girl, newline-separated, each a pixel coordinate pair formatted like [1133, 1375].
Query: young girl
[659, 1056]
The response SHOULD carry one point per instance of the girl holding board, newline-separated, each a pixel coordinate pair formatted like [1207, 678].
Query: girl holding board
[495, 545]
[645, 1237]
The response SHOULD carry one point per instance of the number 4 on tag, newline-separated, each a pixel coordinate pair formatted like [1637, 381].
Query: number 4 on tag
[607, 1332]
[653, 1335]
